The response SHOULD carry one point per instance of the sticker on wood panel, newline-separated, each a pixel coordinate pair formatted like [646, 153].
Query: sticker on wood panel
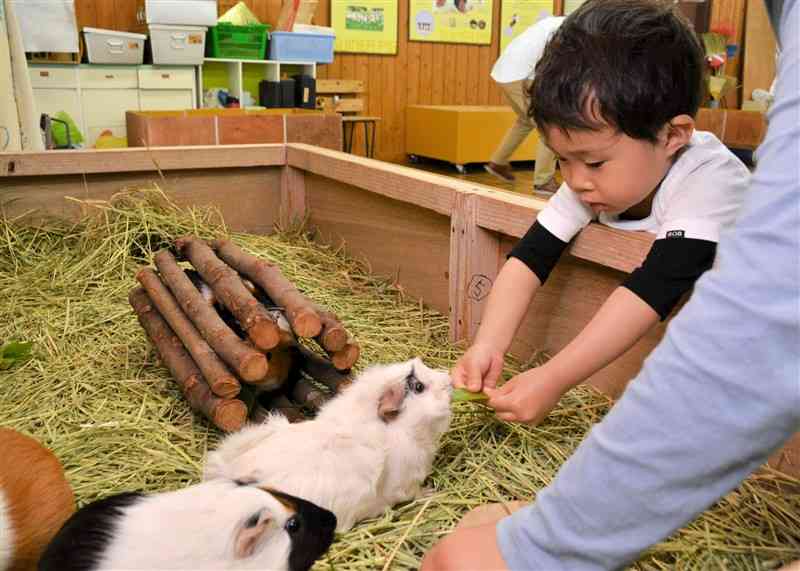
[365, 26]
[516, 16]
[451, 21]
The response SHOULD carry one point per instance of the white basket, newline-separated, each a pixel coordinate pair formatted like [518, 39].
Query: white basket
[111, 46]
[177, 45]
[180, 12]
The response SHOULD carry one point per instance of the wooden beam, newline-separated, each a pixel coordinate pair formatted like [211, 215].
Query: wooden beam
[512, 215]
[140, 159]
[474, 263]
[293, 197]
[342, 105]
[426, 190]
[334, 86]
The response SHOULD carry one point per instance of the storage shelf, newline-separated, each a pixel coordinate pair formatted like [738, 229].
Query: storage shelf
[240, 75]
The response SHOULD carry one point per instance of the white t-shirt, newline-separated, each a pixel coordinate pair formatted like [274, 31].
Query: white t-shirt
[700, 195]
[519, 59]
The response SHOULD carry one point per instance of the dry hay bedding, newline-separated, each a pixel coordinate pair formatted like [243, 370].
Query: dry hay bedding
[95, 394]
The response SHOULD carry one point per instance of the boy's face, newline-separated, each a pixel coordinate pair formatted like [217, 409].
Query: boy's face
[610, 171]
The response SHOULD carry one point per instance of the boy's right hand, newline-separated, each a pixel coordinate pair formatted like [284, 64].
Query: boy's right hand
[479, 367]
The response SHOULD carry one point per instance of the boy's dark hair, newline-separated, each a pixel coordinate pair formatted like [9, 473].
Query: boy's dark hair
[630, 64]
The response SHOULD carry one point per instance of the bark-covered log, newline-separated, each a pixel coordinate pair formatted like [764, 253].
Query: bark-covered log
[306, 394]
[248, 363]
[333, 336]
[216, 372]
[300, 310]
[347, 357]
[231, 292]
[226, 414]
[322, 370]
[281, 403]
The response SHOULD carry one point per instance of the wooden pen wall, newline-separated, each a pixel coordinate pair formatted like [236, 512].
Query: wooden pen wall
[420, 73]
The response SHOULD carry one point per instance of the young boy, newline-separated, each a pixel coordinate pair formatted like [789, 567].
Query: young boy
[614, 97]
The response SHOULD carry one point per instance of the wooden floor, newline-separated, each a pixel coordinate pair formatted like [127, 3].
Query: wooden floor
[523, 171]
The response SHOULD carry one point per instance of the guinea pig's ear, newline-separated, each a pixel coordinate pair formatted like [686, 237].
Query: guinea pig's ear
[250, 534]
[390, 402]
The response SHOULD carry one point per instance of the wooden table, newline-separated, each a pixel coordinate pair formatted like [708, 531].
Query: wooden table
[349, 124]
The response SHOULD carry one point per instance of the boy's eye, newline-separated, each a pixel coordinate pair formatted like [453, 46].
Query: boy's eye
[561, 159]
[596, 165]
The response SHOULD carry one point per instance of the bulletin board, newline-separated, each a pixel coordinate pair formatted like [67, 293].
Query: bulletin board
[451, 21]
[365, 26]
[517, 15]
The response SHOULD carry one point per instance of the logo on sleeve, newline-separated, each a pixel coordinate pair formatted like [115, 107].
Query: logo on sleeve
[675, 234]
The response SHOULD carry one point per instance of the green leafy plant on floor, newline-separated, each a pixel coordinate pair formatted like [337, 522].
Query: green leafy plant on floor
[14, 352]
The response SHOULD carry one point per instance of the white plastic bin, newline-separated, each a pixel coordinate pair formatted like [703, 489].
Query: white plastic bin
[111, 46]
[178, 12]
[177, 45]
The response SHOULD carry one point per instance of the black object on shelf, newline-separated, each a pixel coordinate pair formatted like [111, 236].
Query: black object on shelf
[287, 92]
[269, 94]
[305, 91]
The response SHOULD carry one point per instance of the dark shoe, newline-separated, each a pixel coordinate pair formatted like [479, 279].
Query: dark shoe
[547, 189]
[503, 172]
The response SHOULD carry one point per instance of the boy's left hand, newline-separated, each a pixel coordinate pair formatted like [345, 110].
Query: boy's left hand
[529, 397]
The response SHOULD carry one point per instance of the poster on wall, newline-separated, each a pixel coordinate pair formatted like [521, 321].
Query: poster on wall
[365, 26]
[517, 15]
[571, 5]
[451, 21]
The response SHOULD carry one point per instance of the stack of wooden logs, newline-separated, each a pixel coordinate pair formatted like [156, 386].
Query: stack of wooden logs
[228, 332]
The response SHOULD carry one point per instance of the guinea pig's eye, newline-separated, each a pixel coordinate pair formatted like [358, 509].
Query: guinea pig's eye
[292, 525]
[417, 387]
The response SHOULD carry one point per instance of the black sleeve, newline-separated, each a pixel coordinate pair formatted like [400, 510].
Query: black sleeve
[670, 270]
[539, 250]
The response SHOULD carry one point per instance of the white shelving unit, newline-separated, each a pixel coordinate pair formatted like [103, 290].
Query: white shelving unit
[265, 69]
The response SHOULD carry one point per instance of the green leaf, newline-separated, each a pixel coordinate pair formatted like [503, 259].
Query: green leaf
[463, 395]
[14, 352]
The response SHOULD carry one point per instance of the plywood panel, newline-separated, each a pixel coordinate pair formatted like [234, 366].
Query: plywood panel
[139, 159]
[404, 243]
[249, 198]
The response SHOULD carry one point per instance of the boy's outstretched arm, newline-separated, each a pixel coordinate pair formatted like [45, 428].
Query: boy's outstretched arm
[621, 321]
[505, 307]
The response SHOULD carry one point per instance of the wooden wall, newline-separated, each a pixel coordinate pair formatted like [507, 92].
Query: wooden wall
[420, 72]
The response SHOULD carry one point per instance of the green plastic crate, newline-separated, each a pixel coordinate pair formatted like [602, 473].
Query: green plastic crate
[230, 41]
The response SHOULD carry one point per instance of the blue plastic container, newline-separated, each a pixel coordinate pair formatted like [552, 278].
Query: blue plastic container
[300, 46]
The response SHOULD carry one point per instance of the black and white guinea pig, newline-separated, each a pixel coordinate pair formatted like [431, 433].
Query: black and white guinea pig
[221, 524]
[368, 449]
[35, 500]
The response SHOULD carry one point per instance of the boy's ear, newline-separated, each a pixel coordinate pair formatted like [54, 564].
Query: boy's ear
[679, 132]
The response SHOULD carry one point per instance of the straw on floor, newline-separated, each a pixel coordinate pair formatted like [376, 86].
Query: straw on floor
[94, 393]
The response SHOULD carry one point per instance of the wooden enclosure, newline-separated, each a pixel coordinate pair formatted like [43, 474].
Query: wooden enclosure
[420, 73]
[440, 239]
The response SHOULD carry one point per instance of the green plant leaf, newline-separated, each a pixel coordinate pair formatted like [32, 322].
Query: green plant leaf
[14, 352]
[463, 395]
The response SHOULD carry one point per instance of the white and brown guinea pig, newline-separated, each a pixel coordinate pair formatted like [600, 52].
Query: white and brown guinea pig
[368, 449]
[222, 524]
[35, 500]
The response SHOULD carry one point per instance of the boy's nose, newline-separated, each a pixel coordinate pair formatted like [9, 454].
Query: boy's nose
[581, 180]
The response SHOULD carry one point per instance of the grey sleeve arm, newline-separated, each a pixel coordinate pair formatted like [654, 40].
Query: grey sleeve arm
[715, 398]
